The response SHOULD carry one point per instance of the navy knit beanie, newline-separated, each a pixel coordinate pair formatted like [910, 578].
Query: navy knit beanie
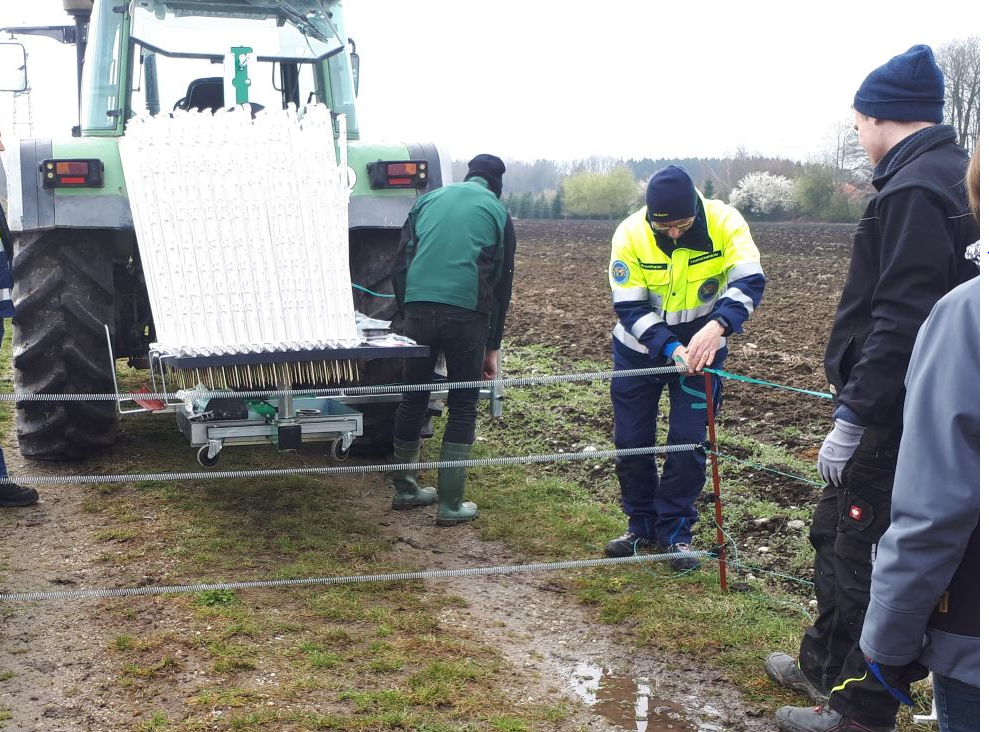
[907, 88]
[489, 167]
[670, 195]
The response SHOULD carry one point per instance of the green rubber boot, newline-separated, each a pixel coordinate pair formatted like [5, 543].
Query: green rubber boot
[452, 508]
[408, 493]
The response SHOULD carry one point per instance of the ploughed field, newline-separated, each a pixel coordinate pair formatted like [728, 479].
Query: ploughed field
[562, 299]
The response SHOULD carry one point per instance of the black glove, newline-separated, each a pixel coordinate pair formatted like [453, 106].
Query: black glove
[897, 679]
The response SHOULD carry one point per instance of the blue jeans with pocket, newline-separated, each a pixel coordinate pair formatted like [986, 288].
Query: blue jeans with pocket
[957, 705]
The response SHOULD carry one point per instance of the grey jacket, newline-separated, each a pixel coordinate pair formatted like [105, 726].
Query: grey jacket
[925, 583]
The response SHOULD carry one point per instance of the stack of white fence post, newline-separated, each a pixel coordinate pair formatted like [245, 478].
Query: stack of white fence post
[243, 231]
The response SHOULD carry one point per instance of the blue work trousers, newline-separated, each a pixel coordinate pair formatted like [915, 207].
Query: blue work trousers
[661, 510]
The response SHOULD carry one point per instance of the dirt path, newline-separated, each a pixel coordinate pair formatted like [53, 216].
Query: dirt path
[53, 654]
[554, 645]
[57, 674]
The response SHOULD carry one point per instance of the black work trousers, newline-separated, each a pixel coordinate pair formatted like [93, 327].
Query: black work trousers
[460, 335]
[847, 525]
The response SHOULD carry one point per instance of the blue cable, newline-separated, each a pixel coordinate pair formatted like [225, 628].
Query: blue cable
[371, 292]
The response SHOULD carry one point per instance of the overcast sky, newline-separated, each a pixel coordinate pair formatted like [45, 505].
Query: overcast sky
[564, 80]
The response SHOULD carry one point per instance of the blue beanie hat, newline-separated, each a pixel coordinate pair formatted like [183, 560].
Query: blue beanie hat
[670, 195]
[907, 88]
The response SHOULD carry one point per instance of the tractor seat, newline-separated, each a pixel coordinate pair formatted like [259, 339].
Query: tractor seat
[203, 94]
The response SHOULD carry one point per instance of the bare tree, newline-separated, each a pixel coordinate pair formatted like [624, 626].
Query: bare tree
[959, 62]
[843, 154]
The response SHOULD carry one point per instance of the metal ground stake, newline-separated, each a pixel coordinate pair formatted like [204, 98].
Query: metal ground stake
[715, 478]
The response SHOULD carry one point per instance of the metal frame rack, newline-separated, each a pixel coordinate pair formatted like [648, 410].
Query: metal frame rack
[285, 421]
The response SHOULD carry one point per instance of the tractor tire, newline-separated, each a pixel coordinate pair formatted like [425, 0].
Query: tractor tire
[372, 256]
[63, 296]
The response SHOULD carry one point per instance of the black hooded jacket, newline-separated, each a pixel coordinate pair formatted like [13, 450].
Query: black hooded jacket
[908, 252]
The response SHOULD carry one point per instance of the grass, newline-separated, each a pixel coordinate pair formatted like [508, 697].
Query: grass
[374, 657]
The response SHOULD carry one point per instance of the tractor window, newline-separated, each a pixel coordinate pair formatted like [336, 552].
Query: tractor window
[163, 84]
[342, 89]
[287, 29]
[100, 83]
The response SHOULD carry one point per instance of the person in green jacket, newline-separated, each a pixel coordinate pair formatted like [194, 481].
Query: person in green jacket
[459, 257]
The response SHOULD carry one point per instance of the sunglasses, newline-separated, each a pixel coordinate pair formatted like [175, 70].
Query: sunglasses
[681, 225]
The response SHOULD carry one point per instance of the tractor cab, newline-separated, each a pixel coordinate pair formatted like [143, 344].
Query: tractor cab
[168, 55]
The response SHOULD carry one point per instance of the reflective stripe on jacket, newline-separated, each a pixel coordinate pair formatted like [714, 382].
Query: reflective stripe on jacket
[6, 287]
[662, 297]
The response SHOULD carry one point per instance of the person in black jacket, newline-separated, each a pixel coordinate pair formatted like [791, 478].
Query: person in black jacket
[908, 251]
[11, 494]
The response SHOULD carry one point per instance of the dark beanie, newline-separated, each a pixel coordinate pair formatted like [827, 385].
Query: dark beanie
[670, 195]
[907, 88]
[489, 167]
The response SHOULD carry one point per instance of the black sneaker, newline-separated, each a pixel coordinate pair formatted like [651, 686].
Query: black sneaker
[683, 564]
[820, 719]
[785, 671]
[15, 496]
[628, 544]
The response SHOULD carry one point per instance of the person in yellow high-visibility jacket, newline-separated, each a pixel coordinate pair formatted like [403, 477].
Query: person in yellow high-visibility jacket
[685, 274]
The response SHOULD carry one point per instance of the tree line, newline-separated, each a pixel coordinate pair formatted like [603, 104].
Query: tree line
[833, 185]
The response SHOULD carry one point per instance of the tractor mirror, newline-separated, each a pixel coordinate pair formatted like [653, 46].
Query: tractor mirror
[13, 67]
[355, 64]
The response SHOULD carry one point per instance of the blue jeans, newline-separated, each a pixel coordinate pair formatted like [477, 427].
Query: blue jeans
[460, 335]
[957, 705]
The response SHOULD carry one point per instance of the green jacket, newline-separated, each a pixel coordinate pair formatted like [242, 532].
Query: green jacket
[458, 248]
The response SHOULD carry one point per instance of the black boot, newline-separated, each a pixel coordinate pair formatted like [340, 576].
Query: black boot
[15, 496]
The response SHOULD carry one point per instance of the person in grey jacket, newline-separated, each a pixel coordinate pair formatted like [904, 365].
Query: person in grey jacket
[924, 604]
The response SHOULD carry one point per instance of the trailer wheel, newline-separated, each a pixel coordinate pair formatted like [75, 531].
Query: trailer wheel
[63, 296]
[202, 456]
[338, 452]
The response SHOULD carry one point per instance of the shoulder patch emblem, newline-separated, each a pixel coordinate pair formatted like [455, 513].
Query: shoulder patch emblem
[620, 272]
[708, 289]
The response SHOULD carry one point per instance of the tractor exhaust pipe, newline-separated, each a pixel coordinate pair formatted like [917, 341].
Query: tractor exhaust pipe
[81, 11]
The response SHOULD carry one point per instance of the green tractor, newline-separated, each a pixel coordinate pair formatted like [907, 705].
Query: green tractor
[76, 261]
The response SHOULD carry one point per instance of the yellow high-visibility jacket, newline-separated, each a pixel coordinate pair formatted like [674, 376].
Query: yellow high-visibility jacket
[664, 291]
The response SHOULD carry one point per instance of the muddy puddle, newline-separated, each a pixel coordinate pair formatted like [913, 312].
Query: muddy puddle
[638, 704]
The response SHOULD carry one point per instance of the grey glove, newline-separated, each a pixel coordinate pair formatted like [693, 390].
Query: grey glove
[837, 448]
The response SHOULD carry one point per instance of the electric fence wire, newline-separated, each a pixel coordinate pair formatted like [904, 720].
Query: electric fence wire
[350, 579]
[516, 381]
[351, 469]
[767, 469]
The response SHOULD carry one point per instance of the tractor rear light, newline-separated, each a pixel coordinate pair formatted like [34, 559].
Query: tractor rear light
[72, 173]
[398, 174]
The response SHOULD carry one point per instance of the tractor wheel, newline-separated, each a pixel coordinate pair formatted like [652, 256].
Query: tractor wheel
[372, 256]
[63, 296]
